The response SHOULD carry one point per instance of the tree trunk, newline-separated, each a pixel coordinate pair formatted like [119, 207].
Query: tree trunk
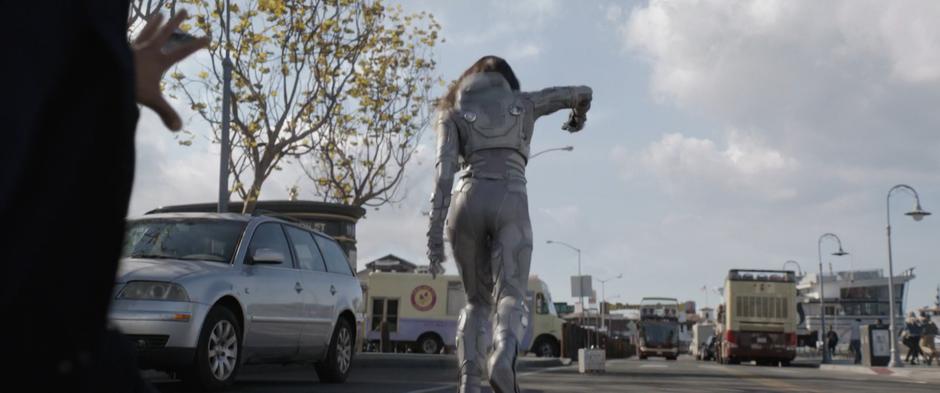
[253, 194]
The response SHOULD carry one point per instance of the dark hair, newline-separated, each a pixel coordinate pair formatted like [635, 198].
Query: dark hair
[488, 63]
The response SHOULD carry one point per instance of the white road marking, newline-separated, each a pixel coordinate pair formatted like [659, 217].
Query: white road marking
[709, 366]
[453, 385]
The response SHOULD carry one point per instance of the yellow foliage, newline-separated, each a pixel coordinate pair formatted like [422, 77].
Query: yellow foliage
[379, 104]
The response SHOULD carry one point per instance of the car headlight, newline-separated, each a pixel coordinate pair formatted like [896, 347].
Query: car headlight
[153, 290]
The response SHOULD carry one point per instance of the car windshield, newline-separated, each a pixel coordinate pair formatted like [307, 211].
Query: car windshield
[185, 238]
[659, 333]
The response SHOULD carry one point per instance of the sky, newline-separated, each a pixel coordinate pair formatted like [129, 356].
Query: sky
[723, 134]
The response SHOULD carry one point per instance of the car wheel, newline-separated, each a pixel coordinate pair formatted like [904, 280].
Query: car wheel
[546, 348]
[429, 344]
[335, 368]
[218, 354]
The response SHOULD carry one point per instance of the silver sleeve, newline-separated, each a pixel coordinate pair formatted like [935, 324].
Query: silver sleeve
[445, 168]
[552, 99]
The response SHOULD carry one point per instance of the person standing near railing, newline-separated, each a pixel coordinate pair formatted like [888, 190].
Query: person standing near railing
[832, 339]
[855, 340]
[927, 345]
[912, 341]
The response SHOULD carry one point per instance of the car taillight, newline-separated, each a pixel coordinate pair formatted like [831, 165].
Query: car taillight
[791, 339]
[730, 337]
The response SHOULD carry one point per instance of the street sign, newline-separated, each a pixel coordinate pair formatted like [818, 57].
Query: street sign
[582, 287]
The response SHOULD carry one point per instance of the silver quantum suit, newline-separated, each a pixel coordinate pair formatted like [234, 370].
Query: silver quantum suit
[487, 133]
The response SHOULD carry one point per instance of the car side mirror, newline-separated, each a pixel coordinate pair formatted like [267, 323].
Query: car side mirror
[267, 256]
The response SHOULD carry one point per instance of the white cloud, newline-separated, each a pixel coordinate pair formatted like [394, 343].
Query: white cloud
[563, 215]
[689, 166]
[846, 88]
[834, 78]
[525, 51]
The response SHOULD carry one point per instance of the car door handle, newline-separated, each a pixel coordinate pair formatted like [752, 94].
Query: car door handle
[332, 290]
[298, 287]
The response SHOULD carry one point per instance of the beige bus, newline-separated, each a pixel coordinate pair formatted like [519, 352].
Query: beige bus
[759, 321]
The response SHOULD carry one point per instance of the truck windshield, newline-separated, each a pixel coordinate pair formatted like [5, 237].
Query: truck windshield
[187, 239]
[659, 333]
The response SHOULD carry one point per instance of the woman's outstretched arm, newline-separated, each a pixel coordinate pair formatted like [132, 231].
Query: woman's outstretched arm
[552, 99]
[445, 168]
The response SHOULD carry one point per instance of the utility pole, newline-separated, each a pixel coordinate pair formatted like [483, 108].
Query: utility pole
[226, 116]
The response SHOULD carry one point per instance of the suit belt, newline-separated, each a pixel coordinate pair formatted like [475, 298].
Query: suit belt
[508, 175]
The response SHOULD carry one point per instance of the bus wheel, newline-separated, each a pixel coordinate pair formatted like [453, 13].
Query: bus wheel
[429, 344]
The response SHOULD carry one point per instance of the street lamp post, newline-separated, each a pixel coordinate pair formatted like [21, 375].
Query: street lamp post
[799, 268]
[226, 117]
[826, 358]
[580, 285]
[600, 309]
[580, 289]
[566, 148]
[917, 214]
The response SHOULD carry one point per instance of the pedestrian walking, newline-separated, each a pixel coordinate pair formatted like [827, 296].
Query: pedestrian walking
[386, 345]
[927, 344]
[832, 339]
[912, 339]
[855, 340]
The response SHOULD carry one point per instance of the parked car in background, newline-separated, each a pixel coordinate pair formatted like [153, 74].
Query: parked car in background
[201, 294]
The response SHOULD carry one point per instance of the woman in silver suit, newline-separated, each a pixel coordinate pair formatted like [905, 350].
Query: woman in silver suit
[484, 127]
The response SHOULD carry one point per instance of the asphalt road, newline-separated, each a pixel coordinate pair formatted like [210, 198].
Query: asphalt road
[409, 375]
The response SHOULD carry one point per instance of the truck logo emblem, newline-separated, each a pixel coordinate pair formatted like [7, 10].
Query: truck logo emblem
[423, 298]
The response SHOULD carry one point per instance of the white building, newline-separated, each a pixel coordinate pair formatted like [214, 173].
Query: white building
[850, 295]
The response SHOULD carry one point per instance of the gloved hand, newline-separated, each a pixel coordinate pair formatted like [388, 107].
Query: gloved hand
[575, 122]
[578, 117]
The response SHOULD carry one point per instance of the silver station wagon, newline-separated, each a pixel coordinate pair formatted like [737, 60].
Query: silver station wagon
[201, 294]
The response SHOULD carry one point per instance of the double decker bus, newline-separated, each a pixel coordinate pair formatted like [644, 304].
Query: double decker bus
[658, 332]
[760, 318]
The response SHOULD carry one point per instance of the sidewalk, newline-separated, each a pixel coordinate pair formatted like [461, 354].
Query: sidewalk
[928, 374]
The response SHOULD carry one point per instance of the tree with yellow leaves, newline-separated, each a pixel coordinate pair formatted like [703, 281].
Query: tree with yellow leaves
[340, 86]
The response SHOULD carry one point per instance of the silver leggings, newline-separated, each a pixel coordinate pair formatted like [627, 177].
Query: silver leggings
[491, 235]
